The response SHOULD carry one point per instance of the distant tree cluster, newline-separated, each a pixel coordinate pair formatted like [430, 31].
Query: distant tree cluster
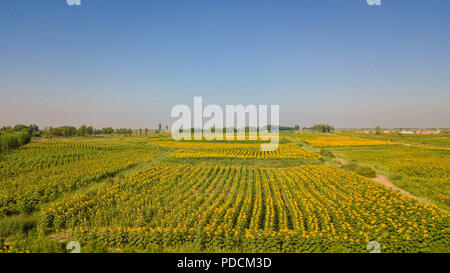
[32, 130]
[83, 130]
[29, 131]
[378, 130]
[104, 131]
[323, 128]
[64, 131]
[10, 141]
[246, 129]
[123, 131]
[13, 137]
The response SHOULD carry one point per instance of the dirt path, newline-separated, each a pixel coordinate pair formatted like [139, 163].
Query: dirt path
[385, 181]
[382, 179]
[341, 161]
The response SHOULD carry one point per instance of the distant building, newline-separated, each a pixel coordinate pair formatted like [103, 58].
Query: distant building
[420, 132]
[430, 132]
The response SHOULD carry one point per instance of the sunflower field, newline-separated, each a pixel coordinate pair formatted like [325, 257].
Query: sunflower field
[215, 207]
[329, 140]
[40, 171]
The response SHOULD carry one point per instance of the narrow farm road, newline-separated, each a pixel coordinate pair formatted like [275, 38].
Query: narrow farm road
[385, 181]
[382, 179]
[341, 161]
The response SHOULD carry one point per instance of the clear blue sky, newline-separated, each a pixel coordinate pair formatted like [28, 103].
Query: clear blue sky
[126, 63]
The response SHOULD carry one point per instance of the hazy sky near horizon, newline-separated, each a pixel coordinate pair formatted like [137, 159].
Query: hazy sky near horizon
[127, 63]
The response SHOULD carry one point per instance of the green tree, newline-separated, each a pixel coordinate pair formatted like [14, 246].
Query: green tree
[107, 130]
[378, 130]
[89, 130]
[82, 130]
[13, 140]
[20, 127]
[323, 128]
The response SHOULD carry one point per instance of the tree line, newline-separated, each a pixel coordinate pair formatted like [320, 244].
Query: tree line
[322, 128]
[246, 129]
[14, 136]
[83, 130]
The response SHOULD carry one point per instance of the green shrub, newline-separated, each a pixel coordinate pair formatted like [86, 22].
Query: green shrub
[366, 171]
[16, 224]
[361, 170]
[396, 177]
[153, 248]
[337, 248]
[94, 246]
[37, 243]
[10, 141]
[328, 153]
[128, 249]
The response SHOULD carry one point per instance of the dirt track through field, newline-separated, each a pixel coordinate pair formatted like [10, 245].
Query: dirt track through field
[382, 179]
[385, 181]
